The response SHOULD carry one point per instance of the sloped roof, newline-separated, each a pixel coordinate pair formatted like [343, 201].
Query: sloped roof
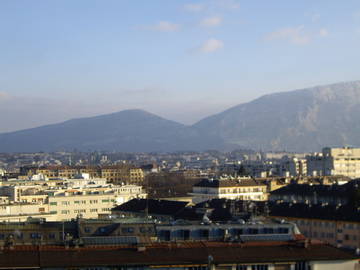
[158, 207]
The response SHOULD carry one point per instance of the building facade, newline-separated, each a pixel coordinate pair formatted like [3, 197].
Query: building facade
[335, 161]
[241, 189]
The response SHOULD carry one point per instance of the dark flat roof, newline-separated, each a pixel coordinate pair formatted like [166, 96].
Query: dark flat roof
[229, 183]
[317, 211]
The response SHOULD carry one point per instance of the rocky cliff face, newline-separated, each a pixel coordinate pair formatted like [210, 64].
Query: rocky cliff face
[301, 120]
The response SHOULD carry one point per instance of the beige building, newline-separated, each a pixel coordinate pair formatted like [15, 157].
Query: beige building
[240, 189]
[137, 176]
[337, 233]
[335, 161]
[70, 204]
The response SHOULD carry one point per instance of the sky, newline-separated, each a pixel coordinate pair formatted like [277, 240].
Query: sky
[182, 60]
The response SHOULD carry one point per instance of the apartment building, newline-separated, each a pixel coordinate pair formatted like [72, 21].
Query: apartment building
[314, 194]
[241, 189]
[63, 199]
[116, 174]
[137, 176]
[71, 203]
[335, 161]
[295, 167]
[336, 225]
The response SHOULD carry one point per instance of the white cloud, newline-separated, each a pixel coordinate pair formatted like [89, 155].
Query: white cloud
[211, 45]
[163, 26]
[194, 7]
[323, 32]
[295, 35]
[211, 21]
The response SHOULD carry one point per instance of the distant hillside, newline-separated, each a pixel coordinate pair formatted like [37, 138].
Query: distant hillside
[301, 120]
[128, 131]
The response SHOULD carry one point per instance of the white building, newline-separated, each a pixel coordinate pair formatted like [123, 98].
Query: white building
[335, 161]
[240, 189]
[63, 199]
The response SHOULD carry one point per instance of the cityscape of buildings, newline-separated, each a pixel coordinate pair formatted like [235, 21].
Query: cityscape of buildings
[176, 203]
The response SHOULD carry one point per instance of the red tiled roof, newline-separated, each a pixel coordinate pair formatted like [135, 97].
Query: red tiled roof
[170, 254]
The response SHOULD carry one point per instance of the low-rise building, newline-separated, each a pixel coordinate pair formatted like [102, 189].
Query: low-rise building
[63, 199]
[280, 255]
[241, 189]
[314, 194]
[336, 225]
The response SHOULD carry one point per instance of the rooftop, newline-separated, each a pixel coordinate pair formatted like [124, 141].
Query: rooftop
[228, 183]
[170, 254]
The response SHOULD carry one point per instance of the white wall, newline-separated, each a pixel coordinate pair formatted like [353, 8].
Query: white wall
[333, 265]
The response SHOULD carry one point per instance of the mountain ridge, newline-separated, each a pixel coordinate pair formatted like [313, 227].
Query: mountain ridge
[298, 120]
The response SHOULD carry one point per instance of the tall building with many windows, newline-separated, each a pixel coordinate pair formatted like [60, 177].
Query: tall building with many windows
[335, 161]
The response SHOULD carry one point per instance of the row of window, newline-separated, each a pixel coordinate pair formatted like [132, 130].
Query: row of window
[83, 202]
[79, 211]
[323, 235]
[253, 267]
[33, 235]
[327, 224]
[244, 190]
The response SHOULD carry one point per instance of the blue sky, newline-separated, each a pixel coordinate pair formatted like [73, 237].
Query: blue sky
[182, 60]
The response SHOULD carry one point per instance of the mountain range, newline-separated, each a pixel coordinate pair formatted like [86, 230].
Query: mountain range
[301, 120]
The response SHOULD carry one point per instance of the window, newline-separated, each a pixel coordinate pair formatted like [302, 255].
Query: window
[268, 230]
[35, 235]
[53, 212]
[241, 267]
[127, 230]
[51, 235]
[302, 266]
[198, 268]
[253, 231]
[64, 212]
[283, 230]
[53, 203]
[260, 267]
